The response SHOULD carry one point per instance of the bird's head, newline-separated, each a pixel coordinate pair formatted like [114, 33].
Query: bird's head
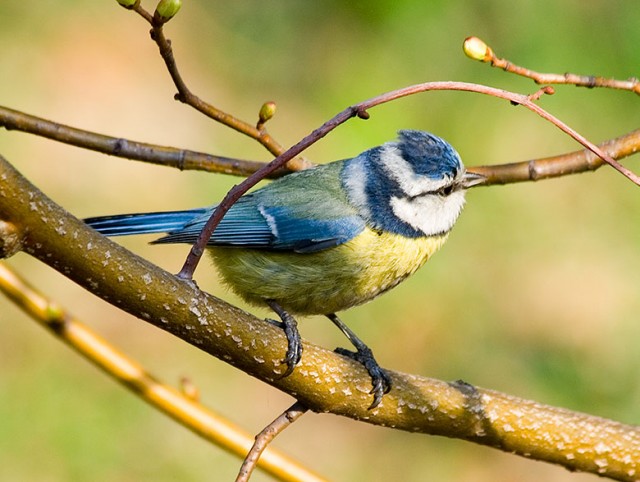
[414, 186]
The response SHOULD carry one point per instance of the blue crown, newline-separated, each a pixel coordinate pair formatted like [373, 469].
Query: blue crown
[429, 155]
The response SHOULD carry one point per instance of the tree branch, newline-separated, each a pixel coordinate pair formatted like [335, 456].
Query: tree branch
[361, 110]
[186, 96]
[477, 49]
[323, 381]
[560, 165]
[183, 159]
[182, 408]
[266, 436]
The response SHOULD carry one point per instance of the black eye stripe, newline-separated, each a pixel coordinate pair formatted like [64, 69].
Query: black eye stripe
[443, 191]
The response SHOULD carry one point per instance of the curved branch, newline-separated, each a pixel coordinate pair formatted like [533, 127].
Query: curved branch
[185, 159]
[519, 99]
[323, 381]
[361, 110]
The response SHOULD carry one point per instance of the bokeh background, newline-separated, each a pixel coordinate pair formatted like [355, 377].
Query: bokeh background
[535, 294]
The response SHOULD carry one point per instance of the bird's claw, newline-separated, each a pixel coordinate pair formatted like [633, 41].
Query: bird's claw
[294, 348]
[380, 380]
[294, 344]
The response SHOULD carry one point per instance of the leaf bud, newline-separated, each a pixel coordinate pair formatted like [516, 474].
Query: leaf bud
[128, 3]
[476, 49]
[267, 111]
[167, 9]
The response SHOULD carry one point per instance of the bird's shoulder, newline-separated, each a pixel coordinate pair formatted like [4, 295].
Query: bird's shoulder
[303, 212]
[307, 211]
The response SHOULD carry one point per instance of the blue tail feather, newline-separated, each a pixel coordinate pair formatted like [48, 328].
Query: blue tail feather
[143, 223]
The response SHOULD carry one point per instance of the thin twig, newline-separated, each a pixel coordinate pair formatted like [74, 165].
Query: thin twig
[477, 49]
[182, 408]
[259, 133]
[361, 110]
[183, 159]
[266, 436]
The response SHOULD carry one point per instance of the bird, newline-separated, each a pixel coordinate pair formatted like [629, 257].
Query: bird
[325, 239]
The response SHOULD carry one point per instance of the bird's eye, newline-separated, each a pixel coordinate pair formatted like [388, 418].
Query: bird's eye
[445, 191]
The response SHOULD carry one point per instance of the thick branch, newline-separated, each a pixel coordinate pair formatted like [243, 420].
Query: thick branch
[324, 381]
[182, 408]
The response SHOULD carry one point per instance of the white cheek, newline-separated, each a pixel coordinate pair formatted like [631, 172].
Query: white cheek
[430, 214]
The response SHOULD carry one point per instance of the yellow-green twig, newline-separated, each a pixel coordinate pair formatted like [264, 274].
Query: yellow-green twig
[165, 398]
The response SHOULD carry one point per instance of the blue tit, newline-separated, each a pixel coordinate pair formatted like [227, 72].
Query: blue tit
[323, 240]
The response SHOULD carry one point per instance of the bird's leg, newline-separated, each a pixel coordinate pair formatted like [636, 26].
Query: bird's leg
[294, 343]
[379, 378]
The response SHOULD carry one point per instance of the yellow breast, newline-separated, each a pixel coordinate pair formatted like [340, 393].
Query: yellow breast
[328, 281]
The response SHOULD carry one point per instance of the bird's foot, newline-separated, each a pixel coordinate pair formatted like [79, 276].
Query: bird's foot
[380, 380]
[294, 342]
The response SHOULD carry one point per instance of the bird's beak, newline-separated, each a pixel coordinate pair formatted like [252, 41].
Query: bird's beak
[470, 179]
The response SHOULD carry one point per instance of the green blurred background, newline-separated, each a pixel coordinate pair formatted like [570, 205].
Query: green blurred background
[535, 294]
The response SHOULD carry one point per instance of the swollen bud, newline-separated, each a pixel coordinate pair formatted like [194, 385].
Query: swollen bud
[166, 9]
[267, 111]
[476, 49]
[128, 3]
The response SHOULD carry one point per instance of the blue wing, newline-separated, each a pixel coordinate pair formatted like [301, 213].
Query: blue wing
[303, 212]
[251, 223]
